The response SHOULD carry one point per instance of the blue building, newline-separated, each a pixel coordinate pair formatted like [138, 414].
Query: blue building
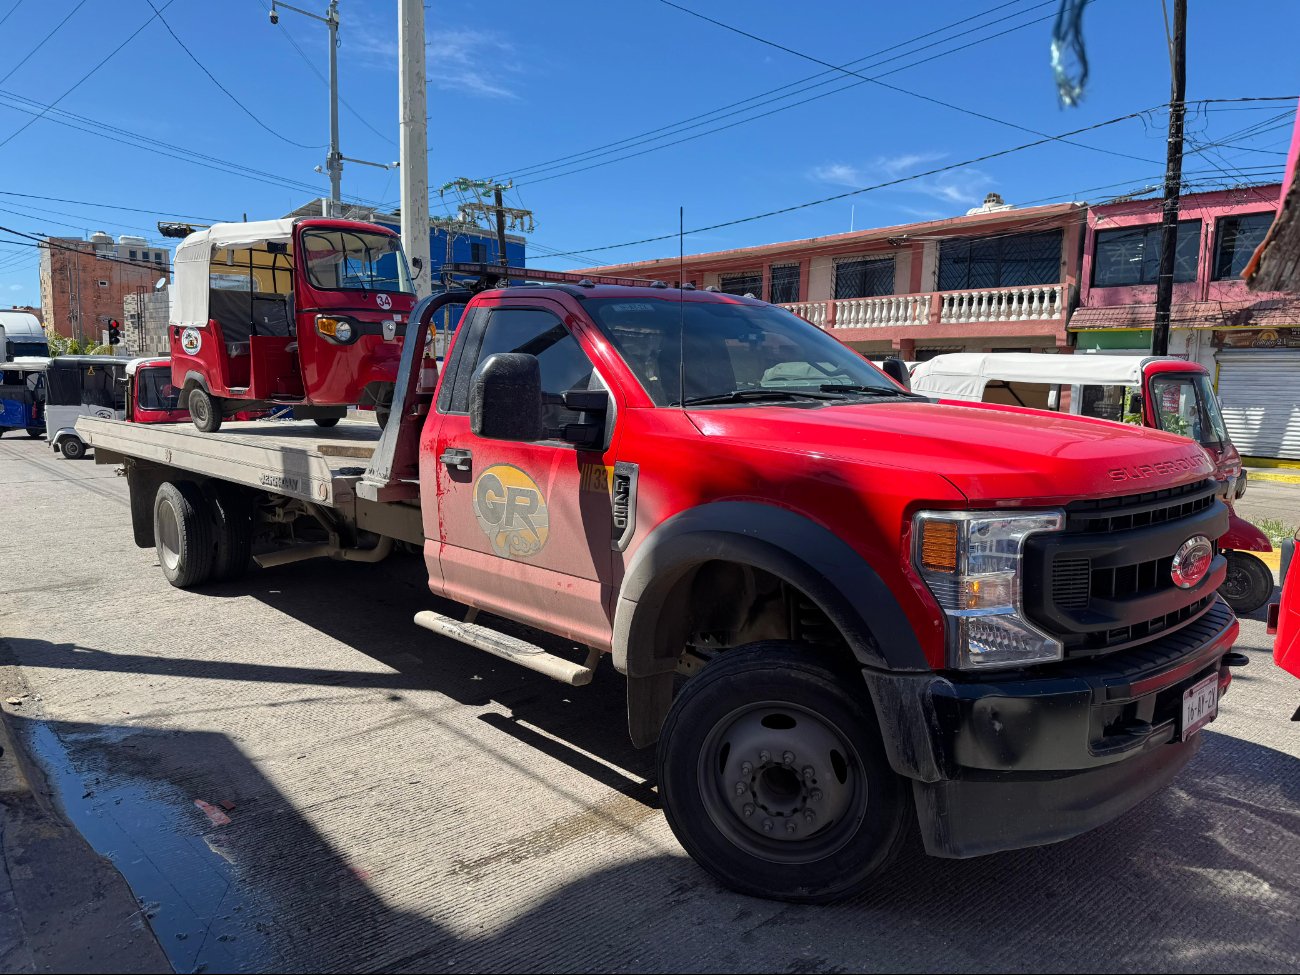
[468, 244]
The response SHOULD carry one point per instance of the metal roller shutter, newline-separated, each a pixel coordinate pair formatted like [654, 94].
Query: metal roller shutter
[1260, 393]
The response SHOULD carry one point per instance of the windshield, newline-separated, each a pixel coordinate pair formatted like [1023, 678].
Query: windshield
[350, 260]
[735, 352]
[155, 391]
[1186, 405]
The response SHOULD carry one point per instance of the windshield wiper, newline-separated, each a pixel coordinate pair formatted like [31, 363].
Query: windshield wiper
[868, 390]
[745, 395]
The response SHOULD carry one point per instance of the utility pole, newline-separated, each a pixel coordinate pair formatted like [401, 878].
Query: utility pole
[1173, 181]
[501, 226]
[335, 159]
[414, 142]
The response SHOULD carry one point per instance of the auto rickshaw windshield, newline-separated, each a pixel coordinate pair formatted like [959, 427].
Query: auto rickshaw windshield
[1185, 404]
[350, 260]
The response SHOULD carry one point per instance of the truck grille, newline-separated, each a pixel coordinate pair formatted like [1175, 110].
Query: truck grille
[1104, 583]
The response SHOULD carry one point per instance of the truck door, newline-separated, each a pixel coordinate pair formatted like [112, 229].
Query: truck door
[524, 529]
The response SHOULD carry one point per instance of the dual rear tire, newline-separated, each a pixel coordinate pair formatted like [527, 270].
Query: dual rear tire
[201, 535]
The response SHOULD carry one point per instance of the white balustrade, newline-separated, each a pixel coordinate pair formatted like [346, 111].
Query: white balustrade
[882, 312]
[814, 311]
[1031, 302]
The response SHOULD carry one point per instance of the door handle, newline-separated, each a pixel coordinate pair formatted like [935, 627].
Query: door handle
[456, 457]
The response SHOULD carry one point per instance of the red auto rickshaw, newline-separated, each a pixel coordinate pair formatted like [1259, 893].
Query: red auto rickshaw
[308, 313]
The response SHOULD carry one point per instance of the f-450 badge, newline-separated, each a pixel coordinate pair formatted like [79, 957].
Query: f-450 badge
[511, 510]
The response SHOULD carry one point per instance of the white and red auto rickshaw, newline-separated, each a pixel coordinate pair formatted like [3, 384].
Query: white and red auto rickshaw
[308, 313]
[1163, 392]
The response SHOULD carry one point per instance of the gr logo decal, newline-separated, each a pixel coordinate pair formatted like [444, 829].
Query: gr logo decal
[191, 341]
[511, 511]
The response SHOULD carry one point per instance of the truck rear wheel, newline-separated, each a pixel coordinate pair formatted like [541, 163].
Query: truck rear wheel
[774, 777]
[182, 527]
[232, 519]
[205, 411]
[1248, 584]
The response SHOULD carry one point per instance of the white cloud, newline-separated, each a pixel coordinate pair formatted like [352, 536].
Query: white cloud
[964, 186]
[477, 62]
[15, 287]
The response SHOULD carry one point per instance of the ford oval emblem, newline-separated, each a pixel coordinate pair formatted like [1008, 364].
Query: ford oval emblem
[1192, 561]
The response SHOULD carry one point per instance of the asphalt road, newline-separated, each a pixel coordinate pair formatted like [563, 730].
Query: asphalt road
[398, 802]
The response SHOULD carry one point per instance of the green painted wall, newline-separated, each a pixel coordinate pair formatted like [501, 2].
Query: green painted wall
[1114, 339]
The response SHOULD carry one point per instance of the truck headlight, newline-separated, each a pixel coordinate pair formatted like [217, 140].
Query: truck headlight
[973, 564]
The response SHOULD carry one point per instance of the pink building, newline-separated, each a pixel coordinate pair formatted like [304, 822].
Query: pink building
[1248, 340]
[999, 278]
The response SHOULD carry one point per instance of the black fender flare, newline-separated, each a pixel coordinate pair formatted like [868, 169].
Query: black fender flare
[195, 378]
[803, 553]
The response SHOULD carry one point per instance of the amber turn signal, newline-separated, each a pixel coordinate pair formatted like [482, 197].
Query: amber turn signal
[939, 546]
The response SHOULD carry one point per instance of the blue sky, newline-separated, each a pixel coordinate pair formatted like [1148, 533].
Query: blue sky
[539, 82]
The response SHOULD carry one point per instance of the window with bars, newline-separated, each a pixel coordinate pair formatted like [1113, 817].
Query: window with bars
[784, 284]
[1009, 261]
[1238, 239]
[864, 277]
[750, 283]
[1131, 255]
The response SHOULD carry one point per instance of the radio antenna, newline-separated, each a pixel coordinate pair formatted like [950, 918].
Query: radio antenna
[681, 307]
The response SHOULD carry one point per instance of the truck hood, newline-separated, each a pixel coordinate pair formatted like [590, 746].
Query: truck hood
[990, 454]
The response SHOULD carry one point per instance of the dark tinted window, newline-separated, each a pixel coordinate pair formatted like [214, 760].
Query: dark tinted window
[742, 284]
[540, 333]
[784, 283]
[1000, 262]
[1238, 239]
[1131, 255]
[864, 278]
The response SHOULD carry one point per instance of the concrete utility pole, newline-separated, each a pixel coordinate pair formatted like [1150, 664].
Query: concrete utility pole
[414, 141]
[1173, 181]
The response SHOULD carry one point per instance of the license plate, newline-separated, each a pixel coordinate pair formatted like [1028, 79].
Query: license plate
[1200, 705]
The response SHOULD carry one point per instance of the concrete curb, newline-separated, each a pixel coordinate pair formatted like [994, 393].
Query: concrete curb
[13, 778]
[1278, 476]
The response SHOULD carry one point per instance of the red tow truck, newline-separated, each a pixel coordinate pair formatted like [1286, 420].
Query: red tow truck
[843, 611]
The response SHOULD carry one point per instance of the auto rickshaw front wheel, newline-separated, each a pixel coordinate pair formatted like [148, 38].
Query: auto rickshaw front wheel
[205, 410]
[327, 421]
[35, 432]
[72, 448]
[1248, 584]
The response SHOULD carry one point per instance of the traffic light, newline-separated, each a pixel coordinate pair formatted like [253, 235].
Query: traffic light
[114, 332]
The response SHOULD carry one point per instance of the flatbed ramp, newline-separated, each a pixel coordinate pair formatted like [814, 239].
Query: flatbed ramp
[296, 459]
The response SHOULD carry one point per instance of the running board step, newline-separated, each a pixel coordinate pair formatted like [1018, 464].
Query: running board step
[511, 648]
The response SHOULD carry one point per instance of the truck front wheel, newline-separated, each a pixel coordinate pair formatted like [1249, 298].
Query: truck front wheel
[774, 778]
[182, 528]
[1248, 584]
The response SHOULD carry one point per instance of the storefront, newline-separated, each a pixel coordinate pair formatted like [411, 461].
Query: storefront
[1258, 380]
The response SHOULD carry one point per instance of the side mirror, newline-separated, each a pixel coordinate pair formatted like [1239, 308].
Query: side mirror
[593, 404]
[418, 264]
[505, 398]
[896, 369]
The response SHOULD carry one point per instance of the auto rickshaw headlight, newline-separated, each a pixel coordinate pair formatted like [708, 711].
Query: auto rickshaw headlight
[338, 329]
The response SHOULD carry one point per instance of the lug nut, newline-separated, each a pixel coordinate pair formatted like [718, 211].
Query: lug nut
[765, 757]
[791, 826]
[746, 768]
[767, 826]
[749, 809]
[788, 758]
[808, 773]
[809, 816]
[741, 788]
[815, 795]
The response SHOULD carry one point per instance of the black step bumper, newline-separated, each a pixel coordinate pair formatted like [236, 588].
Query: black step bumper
[1039, 756]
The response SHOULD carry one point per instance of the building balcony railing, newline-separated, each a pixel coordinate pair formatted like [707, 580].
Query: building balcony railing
[1041, 302]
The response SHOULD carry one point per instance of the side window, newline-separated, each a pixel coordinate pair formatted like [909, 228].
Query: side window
[563, 364]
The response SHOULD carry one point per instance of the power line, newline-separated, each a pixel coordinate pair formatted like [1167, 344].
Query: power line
[764, 98]
[883, 84]
[54, 30]
[775, 111]
[16, 5]
[23, 128]
[876, 186]
[113, 206]
[47, 242]
[228, 93]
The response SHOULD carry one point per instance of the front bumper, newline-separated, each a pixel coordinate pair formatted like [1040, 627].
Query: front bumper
[1018, 760]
